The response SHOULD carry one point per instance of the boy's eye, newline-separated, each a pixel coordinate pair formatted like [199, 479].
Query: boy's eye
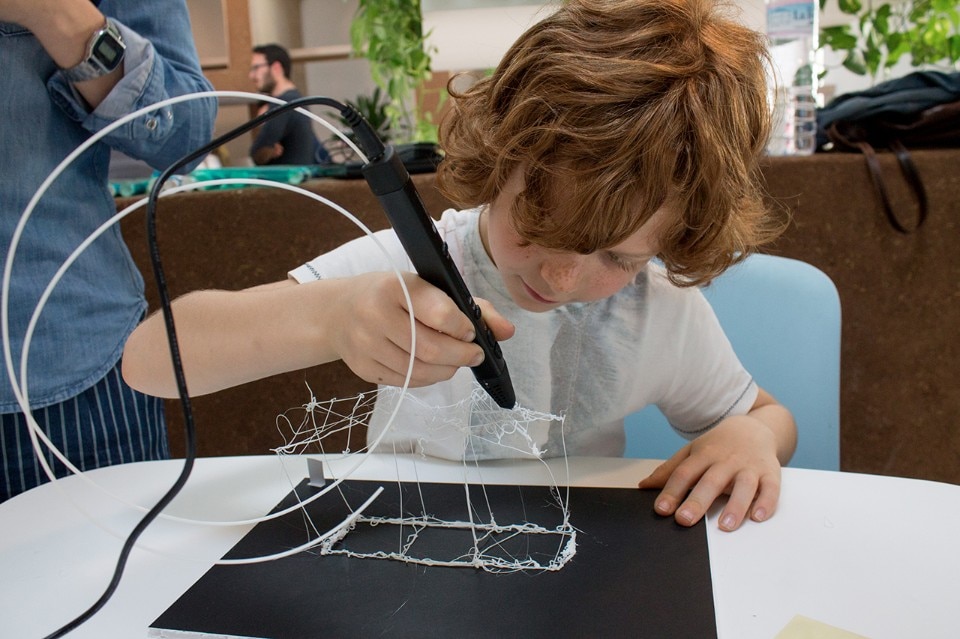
[627, 264]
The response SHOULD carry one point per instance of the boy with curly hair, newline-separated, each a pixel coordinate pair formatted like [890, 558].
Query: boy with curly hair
[612, 132]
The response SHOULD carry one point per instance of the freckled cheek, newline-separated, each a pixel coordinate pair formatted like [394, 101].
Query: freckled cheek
[603, 285]
[607, 288]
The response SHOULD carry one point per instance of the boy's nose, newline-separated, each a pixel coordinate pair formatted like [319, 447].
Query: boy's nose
[563, 273]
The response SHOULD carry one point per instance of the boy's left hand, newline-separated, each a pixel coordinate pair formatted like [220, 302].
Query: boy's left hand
[738, 458]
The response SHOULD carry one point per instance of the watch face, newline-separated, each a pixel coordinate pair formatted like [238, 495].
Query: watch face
[107, 51]
[104, 54]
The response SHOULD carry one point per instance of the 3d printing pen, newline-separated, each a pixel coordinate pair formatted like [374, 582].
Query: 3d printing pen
[390, 182]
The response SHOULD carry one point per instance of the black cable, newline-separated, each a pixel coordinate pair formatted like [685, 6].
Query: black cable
[371, 145]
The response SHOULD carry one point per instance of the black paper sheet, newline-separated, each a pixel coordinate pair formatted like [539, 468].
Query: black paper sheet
[635, 574]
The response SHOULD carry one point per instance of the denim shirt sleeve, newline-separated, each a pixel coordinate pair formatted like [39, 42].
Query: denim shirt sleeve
[160, 62]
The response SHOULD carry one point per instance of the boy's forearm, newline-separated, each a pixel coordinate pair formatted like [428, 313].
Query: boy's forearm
[228, 338]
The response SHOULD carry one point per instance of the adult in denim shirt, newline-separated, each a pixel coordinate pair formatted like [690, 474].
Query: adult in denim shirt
[75, 390]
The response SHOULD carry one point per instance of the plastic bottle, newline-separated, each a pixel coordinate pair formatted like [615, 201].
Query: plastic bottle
[792, 28]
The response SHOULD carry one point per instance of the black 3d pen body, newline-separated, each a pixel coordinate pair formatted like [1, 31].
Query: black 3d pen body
[390, 182]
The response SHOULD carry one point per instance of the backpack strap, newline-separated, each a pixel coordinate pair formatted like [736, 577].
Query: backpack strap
[912, 176]
[907, 168]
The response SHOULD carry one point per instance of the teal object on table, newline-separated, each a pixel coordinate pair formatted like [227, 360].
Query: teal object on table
[129, 188]
[285, 174]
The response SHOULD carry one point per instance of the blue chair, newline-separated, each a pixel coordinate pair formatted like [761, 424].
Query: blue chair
[783, 318]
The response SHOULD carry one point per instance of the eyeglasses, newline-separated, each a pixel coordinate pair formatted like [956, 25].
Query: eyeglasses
[254, 67]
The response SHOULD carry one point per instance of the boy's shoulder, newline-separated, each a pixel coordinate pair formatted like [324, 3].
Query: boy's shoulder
[458, 221]
[460, 230]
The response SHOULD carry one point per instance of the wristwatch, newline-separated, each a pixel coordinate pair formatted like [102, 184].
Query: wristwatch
[104, 54]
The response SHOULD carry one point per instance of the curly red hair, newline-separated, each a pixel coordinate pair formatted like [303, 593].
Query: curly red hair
[612, 108]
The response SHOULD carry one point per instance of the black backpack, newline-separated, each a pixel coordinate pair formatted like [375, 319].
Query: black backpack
[919, 110]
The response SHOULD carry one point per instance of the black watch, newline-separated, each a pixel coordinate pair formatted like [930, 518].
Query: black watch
[104, 54]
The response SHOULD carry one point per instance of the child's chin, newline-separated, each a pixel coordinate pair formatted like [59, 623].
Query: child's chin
[535, 306]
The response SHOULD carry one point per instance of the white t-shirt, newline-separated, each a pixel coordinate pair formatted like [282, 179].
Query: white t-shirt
[593, 363]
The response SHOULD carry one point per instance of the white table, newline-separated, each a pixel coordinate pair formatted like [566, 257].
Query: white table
[873, 555]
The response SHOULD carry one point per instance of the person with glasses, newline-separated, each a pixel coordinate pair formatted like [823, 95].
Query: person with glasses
[287, 138]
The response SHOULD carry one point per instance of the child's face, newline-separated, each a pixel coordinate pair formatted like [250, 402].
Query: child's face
[540, 279]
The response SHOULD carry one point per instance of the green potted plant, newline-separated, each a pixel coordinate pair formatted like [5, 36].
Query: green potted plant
[389, 33]
[373, 108]
[926, 30]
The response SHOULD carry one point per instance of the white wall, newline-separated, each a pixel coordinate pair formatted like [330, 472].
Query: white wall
[467, 35]
[325, 23]
[275, 21]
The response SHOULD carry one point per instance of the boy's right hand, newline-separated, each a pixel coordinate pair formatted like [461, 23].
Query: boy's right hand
[371, 325]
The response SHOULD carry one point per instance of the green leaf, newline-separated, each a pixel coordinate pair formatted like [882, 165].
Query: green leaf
[872, 57]
[954, 48]
[881, 20]
[897, 46]
[850, 7]
[854, 62]
[941, 26]
[838, 38]
[872, 43]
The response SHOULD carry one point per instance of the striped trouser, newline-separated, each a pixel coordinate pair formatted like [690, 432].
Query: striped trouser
[109, 423]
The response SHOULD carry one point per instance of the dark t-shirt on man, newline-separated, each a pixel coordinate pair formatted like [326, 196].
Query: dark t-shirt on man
[294, 132]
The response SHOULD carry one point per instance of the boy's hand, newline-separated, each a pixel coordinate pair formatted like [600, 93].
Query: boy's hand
[739, 457]
[373, 330]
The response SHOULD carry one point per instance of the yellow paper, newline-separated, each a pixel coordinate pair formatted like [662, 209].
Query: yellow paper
[801, 627]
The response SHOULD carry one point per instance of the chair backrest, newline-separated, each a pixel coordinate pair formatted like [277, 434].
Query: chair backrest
[783, 318]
